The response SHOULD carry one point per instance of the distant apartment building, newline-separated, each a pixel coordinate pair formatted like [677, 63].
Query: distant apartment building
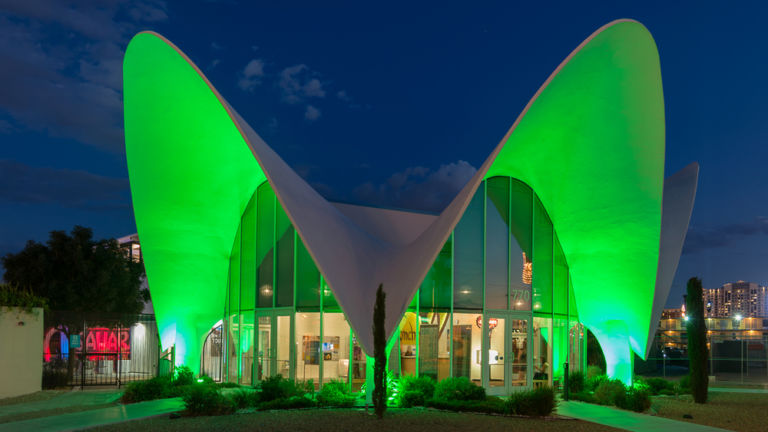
[746, 299]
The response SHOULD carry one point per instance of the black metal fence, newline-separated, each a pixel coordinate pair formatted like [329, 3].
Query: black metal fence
[100, 349]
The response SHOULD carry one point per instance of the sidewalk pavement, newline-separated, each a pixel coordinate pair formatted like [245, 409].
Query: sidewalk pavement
[738, 390]
[627, 420]
[63, 400]
[98, 417]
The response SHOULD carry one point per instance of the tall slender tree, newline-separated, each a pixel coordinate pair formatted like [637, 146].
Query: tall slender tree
[697, 340]
[379, 354]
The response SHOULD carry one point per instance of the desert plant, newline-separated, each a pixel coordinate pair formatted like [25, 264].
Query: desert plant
[634, 399]
[697, 340]
[489, 405]
[206, 400]
[594, 382]
[415, 391]
[608, 390]
[536, 403]
[576, 382]
[458, 388]
[154, 388]
[244, 398]
[183, 375]
[293, 402]
[658, 385]
[379, 353]
[277, 387]
[335, 393]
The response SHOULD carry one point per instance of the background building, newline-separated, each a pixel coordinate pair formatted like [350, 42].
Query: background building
[746, 299]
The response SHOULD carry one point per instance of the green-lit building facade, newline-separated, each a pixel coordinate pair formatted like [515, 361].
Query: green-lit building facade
[495, 306]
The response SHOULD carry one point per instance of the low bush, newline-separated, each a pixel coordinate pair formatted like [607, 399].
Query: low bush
[293, 402]
[244, 398]
[667, 392]
[55, 374]
[584, 396]
[634, 399]
[415, 391]
[154, 388]
[535, 403]
[277, 387]
[657, 385]
[593, 371]
[594, 381]
[336, 394]
[206, 400]
[183, 375]
[226, 384]
[684, 385]
[489, 405]
[460, 388]
[608, 390]
[576, 382]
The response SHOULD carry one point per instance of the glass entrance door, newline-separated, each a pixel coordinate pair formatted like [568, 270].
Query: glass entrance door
[505, 357]
[274, 351]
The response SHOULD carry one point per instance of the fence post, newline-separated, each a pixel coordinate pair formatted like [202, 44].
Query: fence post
[83, 354]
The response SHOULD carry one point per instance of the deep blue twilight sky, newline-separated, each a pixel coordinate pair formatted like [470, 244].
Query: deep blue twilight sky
[375, 105]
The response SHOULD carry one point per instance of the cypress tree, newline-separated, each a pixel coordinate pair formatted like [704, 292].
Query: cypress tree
[379, 354]
[697, 340]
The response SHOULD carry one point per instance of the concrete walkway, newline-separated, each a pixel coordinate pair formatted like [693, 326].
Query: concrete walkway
[67, 399]
[737, 390]
[98, 417]
[627, 420]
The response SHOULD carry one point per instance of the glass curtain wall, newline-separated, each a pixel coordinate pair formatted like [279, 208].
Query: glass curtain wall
[503, 255]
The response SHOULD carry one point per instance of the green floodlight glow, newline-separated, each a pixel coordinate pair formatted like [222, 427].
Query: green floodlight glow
[591, 144]
[191, 175]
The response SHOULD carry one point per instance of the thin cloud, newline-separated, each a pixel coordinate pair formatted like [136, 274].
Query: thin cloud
[418, 188]
[251, 75]
[311, 113]
[25, 184]
[702, 238]
[69, 87]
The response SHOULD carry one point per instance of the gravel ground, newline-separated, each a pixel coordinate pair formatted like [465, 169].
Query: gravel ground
[743, 412]
[353, 420]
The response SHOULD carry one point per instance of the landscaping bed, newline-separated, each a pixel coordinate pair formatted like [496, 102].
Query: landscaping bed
[353, 420]
[743, 412]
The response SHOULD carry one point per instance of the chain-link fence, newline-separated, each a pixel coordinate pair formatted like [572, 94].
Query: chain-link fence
[736, 356]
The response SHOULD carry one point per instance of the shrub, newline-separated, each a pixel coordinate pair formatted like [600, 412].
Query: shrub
[415, 391]
[277, 387]
[608, 390]
[576, 382]
[55, 374]
[335, 393]
[594, 382]
[411, 398]
[536, 403]
[667, 392]
[183, 376]
[206, 400]
[307, 386]
[489, 405]
[293, 402]
[393, 389]
[684, 385]
[460, 388]
[634, 399]
[226, 384]
[244, 398]
[154, 388]
[584, 396]
[593, 371]
[658, 385]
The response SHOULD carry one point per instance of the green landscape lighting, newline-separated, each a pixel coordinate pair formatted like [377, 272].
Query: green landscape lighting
[591, 144]
[191, 176]
[589, 148]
